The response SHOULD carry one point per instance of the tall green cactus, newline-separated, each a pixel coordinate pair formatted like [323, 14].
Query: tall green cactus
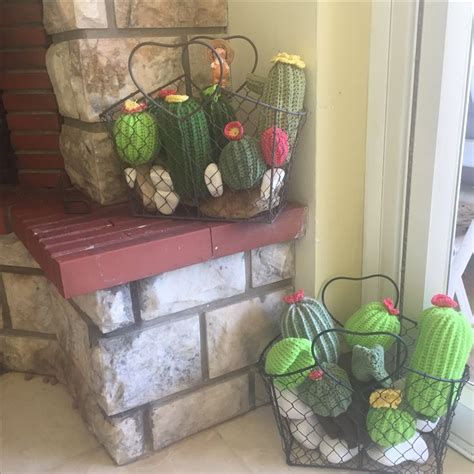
[306, 318]
[187, 144]
[442, 350]
[284, 89]
[241, 162]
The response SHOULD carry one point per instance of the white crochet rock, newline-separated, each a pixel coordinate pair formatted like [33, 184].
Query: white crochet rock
[336, 451]
[161, 179]
[415, 449]
[308, 432]
[426, 426]
[130, 176]
[213, 180]
[166, 201]
[268, 184]
[291, 406]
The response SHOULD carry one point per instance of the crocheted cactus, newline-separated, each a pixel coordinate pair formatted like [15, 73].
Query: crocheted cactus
[388, 425]
[135, 134]
[369, 364]
[241, 162]
[219, 113]
[442, 350]
[306, 317]
[286, 356]
[274, 145]
[283, 89]
[374, 317]
[187, 144]
[328, 392]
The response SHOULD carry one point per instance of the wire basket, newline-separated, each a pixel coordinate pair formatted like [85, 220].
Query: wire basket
[335, 425]
[181, 161]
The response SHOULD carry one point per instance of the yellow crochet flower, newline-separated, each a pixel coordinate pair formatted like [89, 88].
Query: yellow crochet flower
[176, 99]
[286, 58]
[385, 398]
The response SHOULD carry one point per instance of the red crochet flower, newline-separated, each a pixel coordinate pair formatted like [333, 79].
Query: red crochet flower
[443, 301]
[388, 302]
[294, 298]
[165, 92]
[234, 131]
[317, 374]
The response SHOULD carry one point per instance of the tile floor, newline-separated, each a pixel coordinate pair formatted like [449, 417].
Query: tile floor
[41, 432]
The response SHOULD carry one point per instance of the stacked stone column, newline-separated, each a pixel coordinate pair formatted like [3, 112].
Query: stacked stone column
[156, 360]
[87, 64]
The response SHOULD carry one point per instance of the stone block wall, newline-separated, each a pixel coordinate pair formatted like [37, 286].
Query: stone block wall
[88, 67]
[156, 360]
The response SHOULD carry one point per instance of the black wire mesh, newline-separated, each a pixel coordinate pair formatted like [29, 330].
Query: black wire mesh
[180, 160]
[347, 424]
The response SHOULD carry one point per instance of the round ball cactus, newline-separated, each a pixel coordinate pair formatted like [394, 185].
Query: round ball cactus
[442, 350]
[287, 356]
[135, 134]
[241, 162]
[306, 318]
[274, 145]
[374, 317]
[387, 425]
[328, 392]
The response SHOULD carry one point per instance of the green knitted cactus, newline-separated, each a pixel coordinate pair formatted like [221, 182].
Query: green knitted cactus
[369, 364]
[283, 89]
[442, 350]
[328, 392]
[187, 144]
[374, 317]
[388, 425]
[241, 162]
[135, 134]
[219, 113]
[287, 356]
[306, 317]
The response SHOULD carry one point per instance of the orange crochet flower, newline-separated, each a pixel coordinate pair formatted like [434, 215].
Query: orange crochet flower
[132, 107]
[234, 131]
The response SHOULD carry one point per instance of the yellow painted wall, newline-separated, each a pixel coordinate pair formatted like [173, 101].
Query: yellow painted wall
[328, 175]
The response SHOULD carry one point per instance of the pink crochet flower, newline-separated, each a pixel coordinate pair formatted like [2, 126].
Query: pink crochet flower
[294, 298]
[317, 374]
[443, 301]
[234, 131]
[388, 302]
[165, 92]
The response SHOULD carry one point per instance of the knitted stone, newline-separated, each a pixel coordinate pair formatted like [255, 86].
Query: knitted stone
[187, 143]
[327, 393]
[369, 364]
[284, 90]
[374, 317]
[287, 356]
[306, 317]
[219, 112]
[240, 162]
[135, 134]
[274, 145]
[388, 425]
[442, 349]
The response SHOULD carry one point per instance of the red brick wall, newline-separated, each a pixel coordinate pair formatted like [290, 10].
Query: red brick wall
[27, 94]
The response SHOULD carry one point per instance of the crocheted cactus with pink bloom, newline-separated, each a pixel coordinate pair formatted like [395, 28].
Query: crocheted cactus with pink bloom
[442, 350]
[274, 145]
[374, 317]
[307, 318]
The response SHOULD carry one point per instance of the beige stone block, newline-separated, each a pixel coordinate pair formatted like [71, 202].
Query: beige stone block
[170, 13]
[29, 302]
[64, 15]
[272, 263]
[14, 253]
[89, 75]
[92, 164]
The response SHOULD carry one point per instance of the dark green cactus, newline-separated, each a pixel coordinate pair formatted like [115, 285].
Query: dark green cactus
[442, 350]
[241, 162]
[186, 140]
[219, 113]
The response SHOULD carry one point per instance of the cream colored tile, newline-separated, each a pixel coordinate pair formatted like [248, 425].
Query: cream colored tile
[40, 427]
[457, 464]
